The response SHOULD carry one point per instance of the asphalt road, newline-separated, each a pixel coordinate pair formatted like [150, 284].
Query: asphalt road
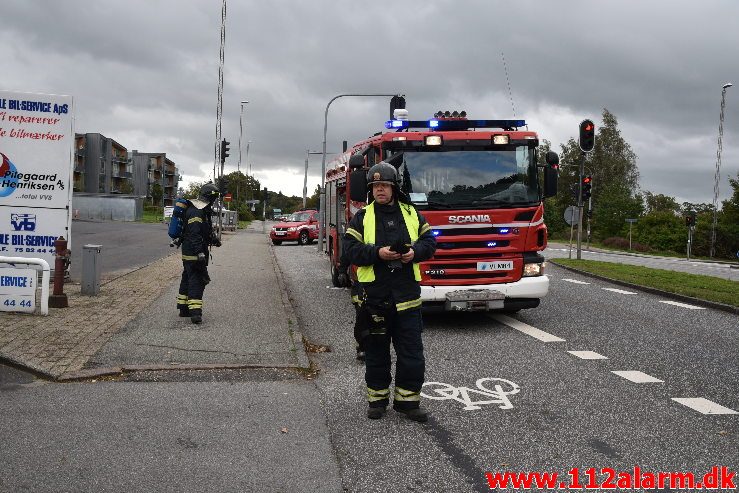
[213, 431]
[567, 412]
[126, 245]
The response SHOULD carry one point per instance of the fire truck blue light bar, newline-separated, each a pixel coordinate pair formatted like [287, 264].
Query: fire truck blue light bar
[459, 124]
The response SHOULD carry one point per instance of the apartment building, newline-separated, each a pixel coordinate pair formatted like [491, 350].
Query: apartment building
[104, 166]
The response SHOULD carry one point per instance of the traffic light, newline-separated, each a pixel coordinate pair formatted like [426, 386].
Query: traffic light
[587, 184]
[690, 220]
[587, 135]
[396, 103]
[224, 150]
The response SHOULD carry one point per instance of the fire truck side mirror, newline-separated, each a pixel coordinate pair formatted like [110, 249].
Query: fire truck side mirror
[358, 185]
[356, 161]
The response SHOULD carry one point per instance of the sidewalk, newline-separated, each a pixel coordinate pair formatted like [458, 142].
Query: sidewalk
[133, 323]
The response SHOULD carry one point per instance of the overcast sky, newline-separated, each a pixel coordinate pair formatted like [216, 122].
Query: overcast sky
[145, 73]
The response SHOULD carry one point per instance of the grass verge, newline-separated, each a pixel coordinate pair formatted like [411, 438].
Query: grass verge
[696, 286]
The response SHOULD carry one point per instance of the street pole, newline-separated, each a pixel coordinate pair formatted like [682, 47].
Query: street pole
[241, 132]
[717, 177]
[305, 178]
[322, 196]
[579, 207]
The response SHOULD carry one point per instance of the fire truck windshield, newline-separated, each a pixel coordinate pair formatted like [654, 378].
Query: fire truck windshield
[470, 179]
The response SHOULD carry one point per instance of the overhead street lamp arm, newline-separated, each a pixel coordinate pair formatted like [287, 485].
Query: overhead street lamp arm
[322, 196]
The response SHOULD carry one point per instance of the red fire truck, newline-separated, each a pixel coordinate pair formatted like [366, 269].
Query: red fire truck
[480, 187]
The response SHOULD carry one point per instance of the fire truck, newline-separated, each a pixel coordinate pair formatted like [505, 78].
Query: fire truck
[480, 186]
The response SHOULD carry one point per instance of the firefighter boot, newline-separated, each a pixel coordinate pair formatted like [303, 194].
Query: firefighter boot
[375, 412]
[196, 316]
[184, 312]
[414, 414]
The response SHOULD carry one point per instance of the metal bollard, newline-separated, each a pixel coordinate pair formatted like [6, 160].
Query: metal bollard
[91, 269]
[58, 298]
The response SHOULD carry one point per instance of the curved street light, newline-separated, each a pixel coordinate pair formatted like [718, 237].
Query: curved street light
[717, 177]
[322, 196]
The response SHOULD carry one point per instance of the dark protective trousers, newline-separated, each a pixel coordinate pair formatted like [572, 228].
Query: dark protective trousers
[192, 286]
[404, 331]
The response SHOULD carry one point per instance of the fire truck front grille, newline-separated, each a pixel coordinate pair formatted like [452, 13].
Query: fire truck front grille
[448, 245]
[468, 231]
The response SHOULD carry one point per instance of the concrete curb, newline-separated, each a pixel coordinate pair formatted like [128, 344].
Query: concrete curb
[295, 335]
[666, 294]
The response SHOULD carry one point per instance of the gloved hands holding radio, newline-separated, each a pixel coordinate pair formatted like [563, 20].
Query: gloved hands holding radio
[201, 257]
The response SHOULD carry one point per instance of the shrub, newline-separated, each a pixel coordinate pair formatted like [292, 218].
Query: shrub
[620, 243]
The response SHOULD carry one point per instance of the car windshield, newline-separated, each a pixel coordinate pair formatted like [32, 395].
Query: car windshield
[299, 217]
[470, 179]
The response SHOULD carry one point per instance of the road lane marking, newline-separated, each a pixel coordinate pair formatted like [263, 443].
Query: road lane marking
[637, 376]
[526, 329]
[703, 406]
[575, 281]
[621, 291]
[682, 305]
[587, 355]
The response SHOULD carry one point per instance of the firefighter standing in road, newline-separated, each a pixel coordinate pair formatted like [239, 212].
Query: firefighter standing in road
[196, 238]
[386, 240]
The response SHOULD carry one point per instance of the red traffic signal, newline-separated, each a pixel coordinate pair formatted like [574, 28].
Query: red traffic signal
[587, 135]
[587, 184]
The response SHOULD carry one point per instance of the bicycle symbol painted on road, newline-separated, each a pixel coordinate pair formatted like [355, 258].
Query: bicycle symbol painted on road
[502, 389]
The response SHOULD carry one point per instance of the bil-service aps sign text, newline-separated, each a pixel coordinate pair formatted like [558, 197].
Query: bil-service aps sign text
[36, 145]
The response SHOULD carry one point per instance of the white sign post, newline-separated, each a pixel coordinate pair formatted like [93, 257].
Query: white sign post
[36, 148]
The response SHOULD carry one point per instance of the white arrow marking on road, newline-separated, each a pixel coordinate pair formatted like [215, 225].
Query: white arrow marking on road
[703, 406]
[575, 281]
[637, 376]
[618, 291]
[526, 329]
[587, 355]
[683, 305]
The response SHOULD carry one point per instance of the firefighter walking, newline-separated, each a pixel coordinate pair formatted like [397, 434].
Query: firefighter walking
[386, 240]
[196, 238]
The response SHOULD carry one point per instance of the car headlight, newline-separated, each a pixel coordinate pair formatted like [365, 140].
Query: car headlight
[292, 228]
[274, 229]
[530, 270]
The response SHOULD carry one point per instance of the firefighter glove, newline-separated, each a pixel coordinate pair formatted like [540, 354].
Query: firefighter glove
[201, 257]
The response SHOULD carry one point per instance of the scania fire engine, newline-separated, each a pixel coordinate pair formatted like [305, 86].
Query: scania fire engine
[478, 185]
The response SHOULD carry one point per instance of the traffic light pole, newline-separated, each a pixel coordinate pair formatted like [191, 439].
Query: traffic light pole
[579, 206]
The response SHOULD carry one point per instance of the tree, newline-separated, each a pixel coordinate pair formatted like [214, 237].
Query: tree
[156, 194]
[660, 203]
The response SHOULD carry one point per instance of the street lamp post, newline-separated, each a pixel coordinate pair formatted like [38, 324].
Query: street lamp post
[717, 177]
[241, 131]
[322, 200]
[308, 152]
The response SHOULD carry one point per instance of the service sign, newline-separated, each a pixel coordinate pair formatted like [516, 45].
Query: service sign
[36, 145]
[17, 290]
[30, 233]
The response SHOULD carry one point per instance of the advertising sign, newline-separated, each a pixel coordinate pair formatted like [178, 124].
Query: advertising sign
[17, 290]
[36, 144]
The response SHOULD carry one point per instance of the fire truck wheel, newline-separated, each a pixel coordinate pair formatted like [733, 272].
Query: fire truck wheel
[304, 237]
[277, 242]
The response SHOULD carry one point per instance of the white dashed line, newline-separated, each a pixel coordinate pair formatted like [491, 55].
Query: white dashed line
[587, 355]
[703, 406]
[637, 376]
[683, 305]
[526, 329]
[575, 281]
[620, 291]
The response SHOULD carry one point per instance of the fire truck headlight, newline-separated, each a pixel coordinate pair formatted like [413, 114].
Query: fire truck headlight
[530, 270]
[433, 140]
[500, 139]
